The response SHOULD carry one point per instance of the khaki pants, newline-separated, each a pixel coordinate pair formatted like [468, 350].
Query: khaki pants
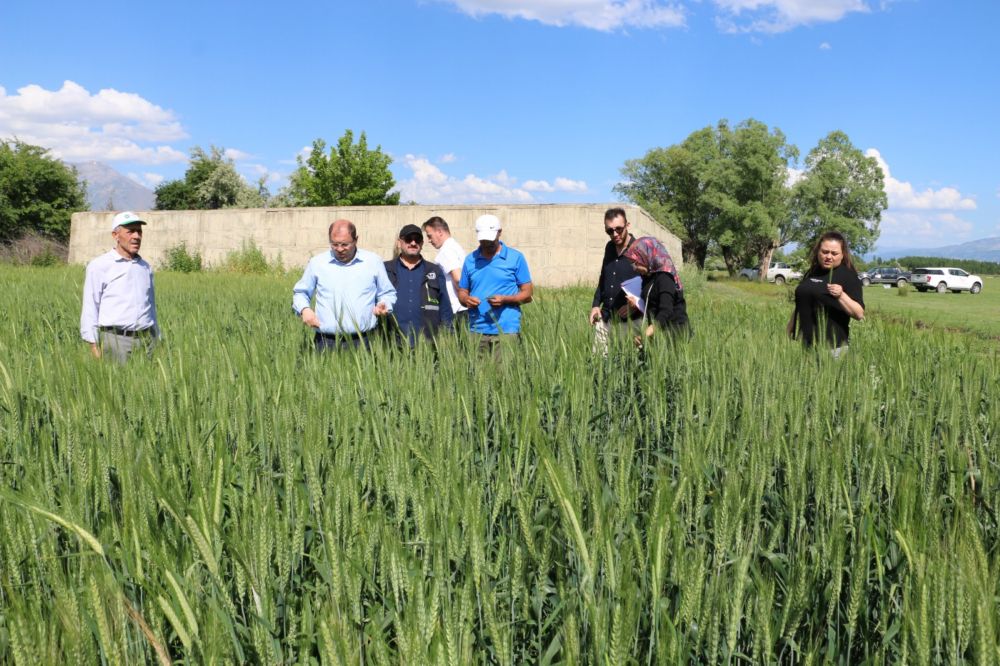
[120, 347]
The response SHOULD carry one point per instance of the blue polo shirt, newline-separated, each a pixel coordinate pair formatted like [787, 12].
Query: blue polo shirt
[501, 275]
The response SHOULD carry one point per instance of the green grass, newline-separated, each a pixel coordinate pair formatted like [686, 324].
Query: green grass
[732, 499]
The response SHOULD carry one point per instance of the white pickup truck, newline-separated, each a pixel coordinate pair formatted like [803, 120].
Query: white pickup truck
[778, 273]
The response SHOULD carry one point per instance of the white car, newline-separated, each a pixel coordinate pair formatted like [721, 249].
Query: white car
[946, 279]
[779, 272]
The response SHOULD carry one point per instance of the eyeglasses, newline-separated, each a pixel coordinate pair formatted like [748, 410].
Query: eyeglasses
[611, 231]
[415, 240]
[341, 246]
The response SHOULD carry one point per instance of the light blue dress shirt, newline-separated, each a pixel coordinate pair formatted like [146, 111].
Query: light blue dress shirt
[346, 293]
[117, 292]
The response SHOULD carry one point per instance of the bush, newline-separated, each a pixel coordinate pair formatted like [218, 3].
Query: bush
[904, 289]
[250, 259]
[179, 259]
[33, 249]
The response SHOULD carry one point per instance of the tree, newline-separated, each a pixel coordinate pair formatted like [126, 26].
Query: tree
[351, 175]
[843, 190]
[37, 192]
[669, 183]
[749, 189]
[210, 182]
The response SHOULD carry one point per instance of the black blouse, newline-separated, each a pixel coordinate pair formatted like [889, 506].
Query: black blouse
[812, 304]
[665, 303]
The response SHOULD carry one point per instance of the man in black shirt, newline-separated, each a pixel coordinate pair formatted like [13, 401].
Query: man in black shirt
[610, 308]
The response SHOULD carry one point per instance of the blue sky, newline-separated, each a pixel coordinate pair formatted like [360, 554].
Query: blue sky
[517, 101]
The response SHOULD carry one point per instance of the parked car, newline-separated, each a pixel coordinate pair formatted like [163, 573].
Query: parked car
[945, 279]
[778, 273]
[884, 275]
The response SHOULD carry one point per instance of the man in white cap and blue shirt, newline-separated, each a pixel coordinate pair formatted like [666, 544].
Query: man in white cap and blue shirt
[119, 306]
[495, 283]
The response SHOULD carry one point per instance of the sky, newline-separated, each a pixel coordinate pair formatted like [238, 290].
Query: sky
[511, 101]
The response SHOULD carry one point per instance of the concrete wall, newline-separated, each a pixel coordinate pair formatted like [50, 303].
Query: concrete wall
[563, 243]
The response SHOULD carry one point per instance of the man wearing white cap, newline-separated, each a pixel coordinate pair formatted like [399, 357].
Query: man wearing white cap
[119, 307]
[495, 283]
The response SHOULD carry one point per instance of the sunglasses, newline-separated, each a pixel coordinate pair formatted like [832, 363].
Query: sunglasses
[611, 231]
[419, 240]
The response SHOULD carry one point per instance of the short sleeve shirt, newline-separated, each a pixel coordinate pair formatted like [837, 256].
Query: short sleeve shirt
[450, 257]
[500, 275]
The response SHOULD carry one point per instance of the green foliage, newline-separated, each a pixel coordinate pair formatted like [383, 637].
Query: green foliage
[968, 265]
[47, 258]
[250, 260]
[179, 259]
[351, 175]
[38, 193]
[210, 182]
[842, 190]
[733, 499]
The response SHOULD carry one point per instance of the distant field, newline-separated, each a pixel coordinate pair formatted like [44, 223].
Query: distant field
[979, 314]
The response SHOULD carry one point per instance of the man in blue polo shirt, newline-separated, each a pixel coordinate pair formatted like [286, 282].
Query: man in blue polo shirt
[495, 283]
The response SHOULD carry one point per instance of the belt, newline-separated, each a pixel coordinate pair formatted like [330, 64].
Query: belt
[342, 336]
[118, 330]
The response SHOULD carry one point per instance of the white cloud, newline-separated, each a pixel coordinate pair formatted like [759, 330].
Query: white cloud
[773, 16]
[568, 185]
[271, 177]
[917, 229]
[431, 185]
[78, 126]
[794, 175]
[237, 155]
[603, 15]
[447, 158]
[902, 195]
[538, 186]
[150, 180]
[825, 46]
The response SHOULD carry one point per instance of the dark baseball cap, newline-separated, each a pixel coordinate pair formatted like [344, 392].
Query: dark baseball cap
[410, 230]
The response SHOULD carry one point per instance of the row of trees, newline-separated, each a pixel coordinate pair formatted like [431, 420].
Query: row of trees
[350, 174]
[731, 190]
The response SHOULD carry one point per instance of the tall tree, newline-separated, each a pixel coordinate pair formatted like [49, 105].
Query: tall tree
[37, 192]
[669, 183]
[749, 189]
[843, 190]
[350, 175]
[210, 182]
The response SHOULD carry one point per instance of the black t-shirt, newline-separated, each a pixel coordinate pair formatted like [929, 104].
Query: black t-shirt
[812, 304]
[665, 303]
[615, 269]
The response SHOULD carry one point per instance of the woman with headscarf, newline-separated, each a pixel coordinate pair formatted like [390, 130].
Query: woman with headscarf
[829, 295]
[662, 291]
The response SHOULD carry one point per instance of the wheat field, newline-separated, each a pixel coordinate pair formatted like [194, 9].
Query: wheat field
[731, 499]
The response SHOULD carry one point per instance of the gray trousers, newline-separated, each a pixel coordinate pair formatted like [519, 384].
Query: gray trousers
[120, 347]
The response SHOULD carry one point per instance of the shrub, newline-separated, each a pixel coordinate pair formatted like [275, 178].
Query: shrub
[181, 260]
[250, 259]
[904, 289]
[35, 250]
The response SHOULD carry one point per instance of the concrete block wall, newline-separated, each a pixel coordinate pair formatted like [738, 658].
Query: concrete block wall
[563, 243]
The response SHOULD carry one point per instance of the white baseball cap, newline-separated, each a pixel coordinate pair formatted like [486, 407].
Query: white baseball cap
[126, 217]
[487, 227]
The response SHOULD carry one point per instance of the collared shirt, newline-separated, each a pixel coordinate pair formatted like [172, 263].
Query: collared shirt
[615, 269]
[117, 292]
[500, 275]
[418, 289]
[450, 257]
[346, 293]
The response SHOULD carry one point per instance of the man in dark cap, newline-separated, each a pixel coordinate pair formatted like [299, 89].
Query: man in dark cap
[422, 303]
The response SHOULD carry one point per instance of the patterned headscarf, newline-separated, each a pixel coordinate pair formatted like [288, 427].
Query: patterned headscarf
[650, 253]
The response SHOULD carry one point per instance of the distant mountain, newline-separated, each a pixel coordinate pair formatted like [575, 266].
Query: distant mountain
[108, 188]
[984, 249]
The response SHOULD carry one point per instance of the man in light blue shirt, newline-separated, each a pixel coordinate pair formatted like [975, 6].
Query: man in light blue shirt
[119, 306]
[351, 289]
[495, 283]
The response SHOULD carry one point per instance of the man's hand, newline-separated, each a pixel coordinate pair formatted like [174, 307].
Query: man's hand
[95, 350]
[309, 318]
[467, 299]
[595, 315]
[497, 300]
[380, 310]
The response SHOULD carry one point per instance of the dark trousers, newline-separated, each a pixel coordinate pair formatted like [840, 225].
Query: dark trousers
[340, 341]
